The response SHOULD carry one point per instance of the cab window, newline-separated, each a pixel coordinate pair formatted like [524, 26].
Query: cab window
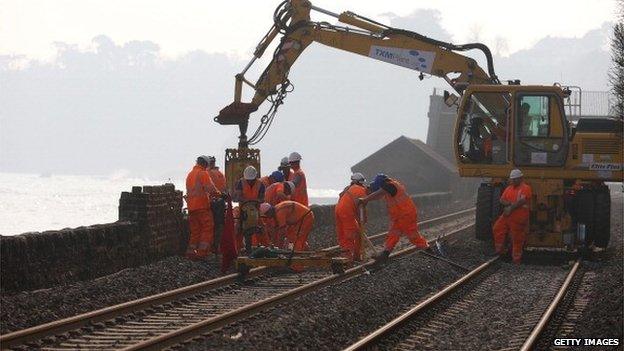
[534, 116]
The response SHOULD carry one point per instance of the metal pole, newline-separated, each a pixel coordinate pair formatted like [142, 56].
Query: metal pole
[321, 10]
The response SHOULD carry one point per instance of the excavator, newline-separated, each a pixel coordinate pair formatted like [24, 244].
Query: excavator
[499, 126]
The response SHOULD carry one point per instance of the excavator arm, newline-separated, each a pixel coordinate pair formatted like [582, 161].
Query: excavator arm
[366, 37]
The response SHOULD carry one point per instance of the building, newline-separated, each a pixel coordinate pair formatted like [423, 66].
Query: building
[414, 163]
[441, 126]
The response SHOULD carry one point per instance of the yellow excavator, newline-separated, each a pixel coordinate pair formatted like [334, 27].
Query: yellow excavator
[499, 127]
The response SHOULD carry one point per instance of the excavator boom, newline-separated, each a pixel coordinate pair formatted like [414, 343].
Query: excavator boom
[366, 37]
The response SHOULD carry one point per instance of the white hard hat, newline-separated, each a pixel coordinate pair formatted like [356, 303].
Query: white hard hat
[264, 208]
[515, 173]
[294, 157]
[284, 161]
[358, 177]
[204, 158]
[250, 173]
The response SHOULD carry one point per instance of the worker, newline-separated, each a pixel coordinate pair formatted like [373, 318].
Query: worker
[516, 202]
[276, 192]
[402, 211]
[249, 188]
[284, 167]
[292, 220]
[199, 189]
[301, 188]
[216, 175]
[249, 192]
[348, 224]
[218, 203]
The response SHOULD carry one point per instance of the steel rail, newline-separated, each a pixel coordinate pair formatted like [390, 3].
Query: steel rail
[183, 334]
[42, 331]
[529, 344]
[369, 340]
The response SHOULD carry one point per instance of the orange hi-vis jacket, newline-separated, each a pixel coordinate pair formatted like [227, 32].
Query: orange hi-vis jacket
[198, 189]
[275, 194]
[400, 205]
[266, 181]
[288, 213]
[251, 192]
[346, 205]
[301, 189]
[218, 179]
[515, 193]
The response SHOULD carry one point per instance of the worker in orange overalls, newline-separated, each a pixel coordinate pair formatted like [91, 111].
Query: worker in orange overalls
[278, 190]
[301, 188]
[250, 189]
[199, 189]
[218, 204]
[284, 167]
[291, 220]
[402, 211]
[347, 217]
[516, 201]
[216, 175]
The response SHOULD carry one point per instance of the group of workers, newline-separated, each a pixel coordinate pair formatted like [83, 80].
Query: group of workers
[284, 220]
[281, 198]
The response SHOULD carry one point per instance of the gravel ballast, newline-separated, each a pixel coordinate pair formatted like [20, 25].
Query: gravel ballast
[29, 308]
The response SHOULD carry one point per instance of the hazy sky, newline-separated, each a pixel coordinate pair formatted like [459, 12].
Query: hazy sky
[134, 85]
[30, 27]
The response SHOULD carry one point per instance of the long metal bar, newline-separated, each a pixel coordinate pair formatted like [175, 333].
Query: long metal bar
[322, 10]
[367, 341]
[541, 325]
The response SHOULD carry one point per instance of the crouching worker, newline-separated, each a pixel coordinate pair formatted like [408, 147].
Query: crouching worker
[401, 210]
[516, 201]
[291, 220]
[199, 190]
[347, 217]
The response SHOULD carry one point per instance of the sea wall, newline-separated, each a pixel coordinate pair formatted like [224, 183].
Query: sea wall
[151, 226]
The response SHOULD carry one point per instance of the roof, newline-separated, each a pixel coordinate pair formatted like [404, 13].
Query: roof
[420, 146]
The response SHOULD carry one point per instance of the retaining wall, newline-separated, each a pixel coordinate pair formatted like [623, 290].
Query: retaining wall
[150, 226]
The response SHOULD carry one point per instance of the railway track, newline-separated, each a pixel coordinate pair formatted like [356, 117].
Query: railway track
[169, 318]
[436, 315]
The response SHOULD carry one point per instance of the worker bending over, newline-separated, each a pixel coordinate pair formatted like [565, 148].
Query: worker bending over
[298, 177]
[516, 201]
[218, 203]
[278, 191]
[402, 211]
[292, 220]
[348, 224]
[199, 189]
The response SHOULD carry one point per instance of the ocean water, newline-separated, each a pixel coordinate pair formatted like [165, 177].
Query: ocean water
[33, 202]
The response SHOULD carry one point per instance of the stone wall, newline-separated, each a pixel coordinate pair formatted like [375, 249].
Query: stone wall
[150, 226]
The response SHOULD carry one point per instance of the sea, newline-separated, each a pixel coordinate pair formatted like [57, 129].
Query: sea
[40, 202]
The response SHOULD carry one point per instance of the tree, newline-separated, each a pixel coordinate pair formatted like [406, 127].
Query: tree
[616, 76]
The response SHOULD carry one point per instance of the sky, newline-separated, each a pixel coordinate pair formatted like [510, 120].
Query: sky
[29, 27]
[99, 87]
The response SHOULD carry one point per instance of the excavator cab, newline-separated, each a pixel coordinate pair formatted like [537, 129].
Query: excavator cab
[501, 127]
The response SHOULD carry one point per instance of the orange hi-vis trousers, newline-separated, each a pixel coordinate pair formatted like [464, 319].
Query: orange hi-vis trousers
[348, 232]
[408, 226]
[202, 233]
[517, 226]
